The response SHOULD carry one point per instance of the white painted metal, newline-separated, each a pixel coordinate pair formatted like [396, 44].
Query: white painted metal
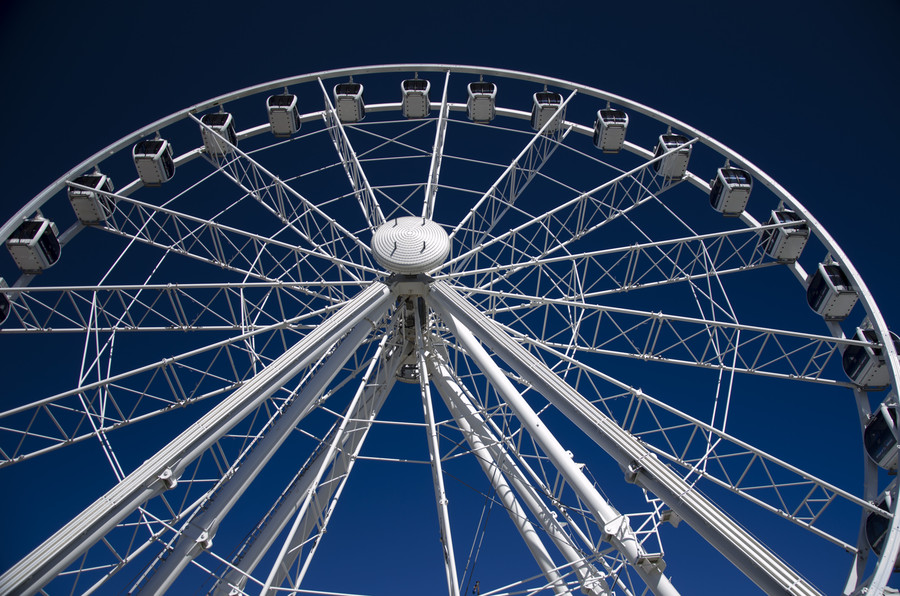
[151, 478]
[497, 466]
[616, 527]
[364, 195]
[203, 526]
[513, 181]
[341, 453]
[315, 496]
[437, 153]
[756, 561]
[210, 242]
[434, 451]
[410, 245]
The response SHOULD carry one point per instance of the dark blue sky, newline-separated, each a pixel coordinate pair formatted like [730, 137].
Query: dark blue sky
[805, 90]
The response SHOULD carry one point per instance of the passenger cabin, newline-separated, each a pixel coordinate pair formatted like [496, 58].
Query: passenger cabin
[786, 243]
[154, 162]
[218, 133]
[348, 101]
[609, 130]
[4, 303]
[830, 293]
[34, 245]
[481, 105]
[879, 438]
[416, 103]
[284, 117]
[674, 165]
[730, 191]
[90, 204]
[877, 527]
[544, 106]
[865, 365]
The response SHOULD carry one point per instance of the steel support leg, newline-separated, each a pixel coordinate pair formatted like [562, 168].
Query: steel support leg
[453, 397]
[345, 443]
[202, 528]
[616, 528]
[437, 473]
[156, 474]
[496, 462]
[315, 500]
[723, 533]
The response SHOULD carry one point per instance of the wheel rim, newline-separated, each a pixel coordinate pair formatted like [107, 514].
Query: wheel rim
[586, 282]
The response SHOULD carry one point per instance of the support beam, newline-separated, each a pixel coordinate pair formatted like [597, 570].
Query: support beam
[496, 460]
[361, 187]
[615, 526]
[437, 473]
[479, 441]
[437, 153]
[151, 478]
[203, 526]
[757, 562]
[313, 498]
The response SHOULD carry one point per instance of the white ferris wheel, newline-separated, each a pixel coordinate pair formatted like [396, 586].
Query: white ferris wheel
[421, 328]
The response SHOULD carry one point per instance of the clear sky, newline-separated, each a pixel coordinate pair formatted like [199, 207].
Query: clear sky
[806, 90]
[776, 81]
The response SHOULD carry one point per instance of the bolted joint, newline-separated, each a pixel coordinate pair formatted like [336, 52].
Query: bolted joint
[632, 471]
[204, 540]
[168, 479]
[652, 561]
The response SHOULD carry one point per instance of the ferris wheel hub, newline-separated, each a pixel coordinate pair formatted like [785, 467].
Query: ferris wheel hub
[410, 245]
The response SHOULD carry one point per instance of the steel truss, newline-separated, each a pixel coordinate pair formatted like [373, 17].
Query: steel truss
[577, 361]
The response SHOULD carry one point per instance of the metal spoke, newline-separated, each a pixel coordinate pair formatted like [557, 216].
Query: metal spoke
[555, 229]
[496, 201]
[165, 307]
[437, 152]
[434, 451]
[663, 337]
[246, 253]
[364, 195]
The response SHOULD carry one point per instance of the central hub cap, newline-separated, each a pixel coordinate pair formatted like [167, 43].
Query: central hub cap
[410, 245]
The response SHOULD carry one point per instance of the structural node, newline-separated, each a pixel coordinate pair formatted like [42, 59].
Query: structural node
[410, 245]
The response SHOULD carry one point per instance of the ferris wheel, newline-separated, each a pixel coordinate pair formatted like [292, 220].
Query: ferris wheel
[420, 328]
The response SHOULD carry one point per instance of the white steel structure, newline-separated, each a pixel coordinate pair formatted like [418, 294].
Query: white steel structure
[581, 340]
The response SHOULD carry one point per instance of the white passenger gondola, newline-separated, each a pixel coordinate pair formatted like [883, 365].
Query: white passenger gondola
[34, 245]
[830, 293]
[877, 527]
[154, 162]
[416, 103]
[348, 101]
[730, 191]
[218, 133]
[609, 130]
[4, 302]
[786, 243]
[880, 437]
[544, 106]
[674, 165]
[865, 365]
[481, 106]
[284, 117]
[90, 204]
